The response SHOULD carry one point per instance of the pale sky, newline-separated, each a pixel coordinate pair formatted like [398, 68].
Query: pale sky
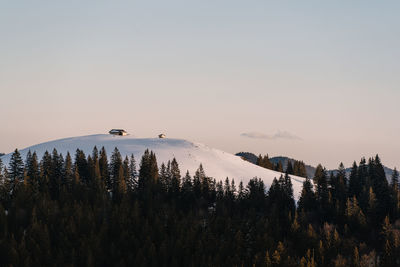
[312, 80]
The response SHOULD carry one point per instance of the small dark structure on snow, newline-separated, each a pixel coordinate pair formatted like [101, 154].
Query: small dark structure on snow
[118, 132]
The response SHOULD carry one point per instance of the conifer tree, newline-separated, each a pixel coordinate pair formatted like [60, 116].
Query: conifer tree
[263, 161]
[175, 178]
[121, 187]
[321, 188]
[338, 189]
[115, 169]
[163, 177]
[82, 165]
[380, 186]
[354, 181]
[126, 173]
[259, 161]
[187, 190]
[32, 170]
[96, 165]
[45, 171]
[241, 192]
[256, 192]
[307, 200]
[16, 167]
[104, 168]
[148, 173]
[153, 168]
[77, 178]
[28, 158]
[287, 186]
[200, 179]
[187, 183]
[227, 188]
[362, 175]
[267, 163]
[197, 182]
[95, 154]
[133, 174]
[57, 164]
[299, 169]
[68, 171]
[233, 188]
[220, 191]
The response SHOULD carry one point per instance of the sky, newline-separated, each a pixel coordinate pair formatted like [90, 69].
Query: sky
[312, 80]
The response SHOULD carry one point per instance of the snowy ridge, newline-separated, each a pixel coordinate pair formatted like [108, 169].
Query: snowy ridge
[217, 164]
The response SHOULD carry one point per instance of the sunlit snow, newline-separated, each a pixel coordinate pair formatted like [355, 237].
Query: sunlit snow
[217, 164]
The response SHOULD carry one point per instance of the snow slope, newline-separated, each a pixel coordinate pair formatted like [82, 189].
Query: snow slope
[217, 164]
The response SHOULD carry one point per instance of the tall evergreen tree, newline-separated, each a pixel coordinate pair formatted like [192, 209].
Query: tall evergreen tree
[133, 173]
[380, 186]
[362, 174]
[82, 165]
[264, 161]
[32, 170]
[175, 178]
[187, 190]
[148, 173]
[45, 171]
[256, 193]
[321, 189]
[68, 171]
[96, 174]
[122, 179]
[307, 200]
[104, 168]
[115, 169]
[16, 167]
[197, 181]
[355, 185]
[57, 164]
[299, 168]
[163, 177]
[201, 181]
[338, 189]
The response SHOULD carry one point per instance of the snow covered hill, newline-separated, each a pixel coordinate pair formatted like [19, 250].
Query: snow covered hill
[217, 164]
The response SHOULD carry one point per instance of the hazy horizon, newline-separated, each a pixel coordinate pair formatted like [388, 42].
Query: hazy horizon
[308, 80]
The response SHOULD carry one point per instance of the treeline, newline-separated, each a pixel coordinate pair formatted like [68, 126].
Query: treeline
[294, 167]
[91, 211]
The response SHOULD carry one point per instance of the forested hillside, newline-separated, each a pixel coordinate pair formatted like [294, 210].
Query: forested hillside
[92, 211]
[283, 163]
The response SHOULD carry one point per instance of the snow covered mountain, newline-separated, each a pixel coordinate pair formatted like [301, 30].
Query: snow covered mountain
[217, 164]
